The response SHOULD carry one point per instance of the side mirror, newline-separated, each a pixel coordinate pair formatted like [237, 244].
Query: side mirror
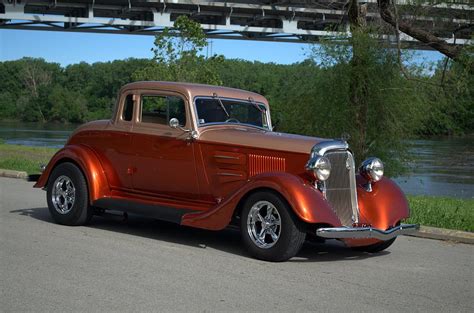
[174, 123]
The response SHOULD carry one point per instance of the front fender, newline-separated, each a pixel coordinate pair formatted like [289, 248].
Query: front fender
[307, 202]
[382, 208]
[89, 164]
[385, 206]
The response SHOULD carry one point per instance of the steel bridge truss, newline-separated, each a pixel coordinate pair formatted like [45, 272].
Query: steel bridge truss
[282, 21]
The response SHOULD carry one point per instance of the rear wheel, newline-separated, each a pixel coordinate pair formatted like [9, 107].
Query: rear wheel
[270, 231]
[67, 196]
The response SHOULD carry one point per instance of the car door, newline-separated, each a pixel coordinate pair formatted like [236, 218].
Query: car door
[164, 162]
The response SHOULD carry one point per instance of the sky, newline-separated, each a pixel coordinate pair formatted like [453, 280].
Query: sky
[69, 48]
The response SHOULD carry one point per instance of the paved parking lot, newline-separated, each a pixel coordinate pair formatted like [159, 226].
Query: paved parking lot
[146, 265]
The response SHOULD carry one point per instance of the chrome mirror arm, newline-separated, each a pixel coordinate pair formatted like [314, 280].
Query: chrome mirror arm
[174, 123]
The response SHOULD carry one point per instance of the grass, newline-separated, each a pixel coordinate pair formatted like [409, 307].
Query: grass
[443, 212]
[440, 212]
[22, 158]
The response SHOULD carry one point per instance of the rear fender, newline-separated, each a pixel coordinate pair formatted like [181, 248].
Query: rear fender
[307, 202]
[88, 163]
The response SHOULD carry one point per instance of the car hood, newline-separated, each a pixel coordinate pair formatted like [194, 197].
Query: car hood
[254, 137]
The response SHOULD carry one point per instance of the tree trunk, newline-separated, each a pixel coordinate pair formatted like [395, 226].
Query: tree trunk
[32, 79]
[358, 89]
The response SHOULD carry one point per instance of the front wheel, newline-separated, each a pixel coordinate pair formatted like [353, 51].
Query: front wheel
[67, 196]
[270, 231]
[376, 247]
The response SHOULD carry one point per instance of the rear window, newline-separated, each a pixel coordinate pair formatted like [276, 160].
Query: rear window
[127, 112]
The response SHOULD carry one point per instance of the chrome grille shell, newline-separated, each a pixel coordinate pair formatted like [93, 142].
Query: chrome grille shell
[340, 187]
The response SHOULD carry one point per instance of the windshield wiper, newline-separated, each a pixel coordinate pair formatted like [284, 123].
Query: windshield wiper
[221, 104]
[256, 105]
[262, 111]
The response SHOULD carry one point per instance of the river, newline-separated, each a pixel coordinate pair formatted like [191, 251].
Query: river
[440, 167]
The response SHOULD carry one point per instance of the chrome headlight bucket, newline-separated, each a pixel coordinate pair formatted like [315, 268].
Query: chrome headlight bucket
[372, 169]
[320, 167]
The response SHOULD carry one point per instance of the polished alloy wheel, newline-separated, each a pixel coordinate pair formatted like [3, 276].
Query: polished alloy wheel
[264, 224]
[63, 195]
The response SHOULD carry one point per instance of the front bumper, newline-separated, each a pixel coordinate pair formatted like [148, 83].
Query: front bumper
[367, 232]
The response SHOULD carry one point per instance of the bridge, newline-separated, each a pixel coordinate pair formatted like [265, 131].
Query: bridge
[300, 21]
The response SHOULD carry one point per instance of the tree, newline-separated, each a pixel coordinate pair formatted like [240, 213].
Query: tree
[449, 104]
[359, 89]
[34, 77]
[66, 106]
[176, 56]
[391, 17]
[10, 88]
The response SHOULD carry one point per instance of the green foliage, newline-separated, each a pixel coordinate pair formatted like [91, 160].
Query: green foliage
[67, 106]
[189, 41]
[451, 98]
[442, 212]
[176, 56]
[21, 84]
[34, 90]
[324, 108]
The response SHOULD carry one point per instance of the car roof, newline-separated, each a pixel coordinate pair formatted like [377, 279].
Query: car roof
[194, 90]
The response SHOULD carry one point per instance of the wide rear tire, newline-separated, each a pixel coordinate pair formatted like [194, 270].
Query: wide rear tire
[67, 196]
[270, 230]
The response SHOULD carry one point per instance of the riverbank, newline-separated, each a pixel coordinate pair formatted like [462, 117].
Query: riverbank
[443, 212]
[23, 158]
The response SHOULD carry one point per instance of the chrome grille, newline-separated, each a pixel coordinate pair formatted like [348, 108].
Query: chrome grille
[341, 187]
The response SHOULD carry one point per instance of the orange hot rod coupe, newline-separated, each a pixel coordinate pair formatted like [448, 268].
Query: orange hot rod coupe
[206, 156]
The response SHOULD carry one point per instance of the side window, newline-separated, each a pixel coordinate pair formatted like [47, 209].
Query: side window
[160, 109]
[127, 112]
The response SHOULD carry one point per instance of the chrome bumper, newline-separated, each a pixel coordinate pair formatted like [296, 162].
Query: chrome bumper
[366, 232]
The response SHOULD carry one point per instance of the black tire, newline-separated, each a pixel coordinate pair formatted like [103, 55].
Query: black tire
[68, 212]
[291, 231]
[377, 247]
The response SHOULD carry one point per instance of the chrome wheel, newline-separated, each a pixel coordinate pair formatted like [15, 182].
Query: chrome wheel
[63, 194]
[264, 224]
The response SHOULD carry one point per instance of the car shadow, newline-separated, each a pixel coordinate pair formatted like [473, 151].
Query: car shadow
[227, 240]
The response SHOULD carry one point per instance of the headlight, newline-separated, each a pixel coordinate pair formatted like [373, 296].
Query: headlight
[320, 167]
[372, 169]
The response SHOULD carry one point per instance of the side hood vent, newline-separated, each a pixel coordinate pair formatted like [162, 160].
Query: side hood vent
[262, 163]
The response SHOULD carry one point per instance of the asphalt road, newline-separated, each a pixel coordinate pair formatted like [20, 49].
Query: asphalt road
[146, 265]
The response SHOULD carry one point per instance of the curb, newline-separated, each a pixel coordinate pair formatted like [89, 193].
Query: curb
[13, 174]
[444, 234]
[424, 232]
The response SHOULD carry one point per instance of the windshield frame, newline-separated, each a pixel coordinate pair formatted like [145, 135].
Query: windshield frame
[246, 101]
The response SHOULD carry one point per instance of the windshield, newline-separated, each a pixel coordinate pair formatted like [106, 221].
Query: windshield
[219, 110]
